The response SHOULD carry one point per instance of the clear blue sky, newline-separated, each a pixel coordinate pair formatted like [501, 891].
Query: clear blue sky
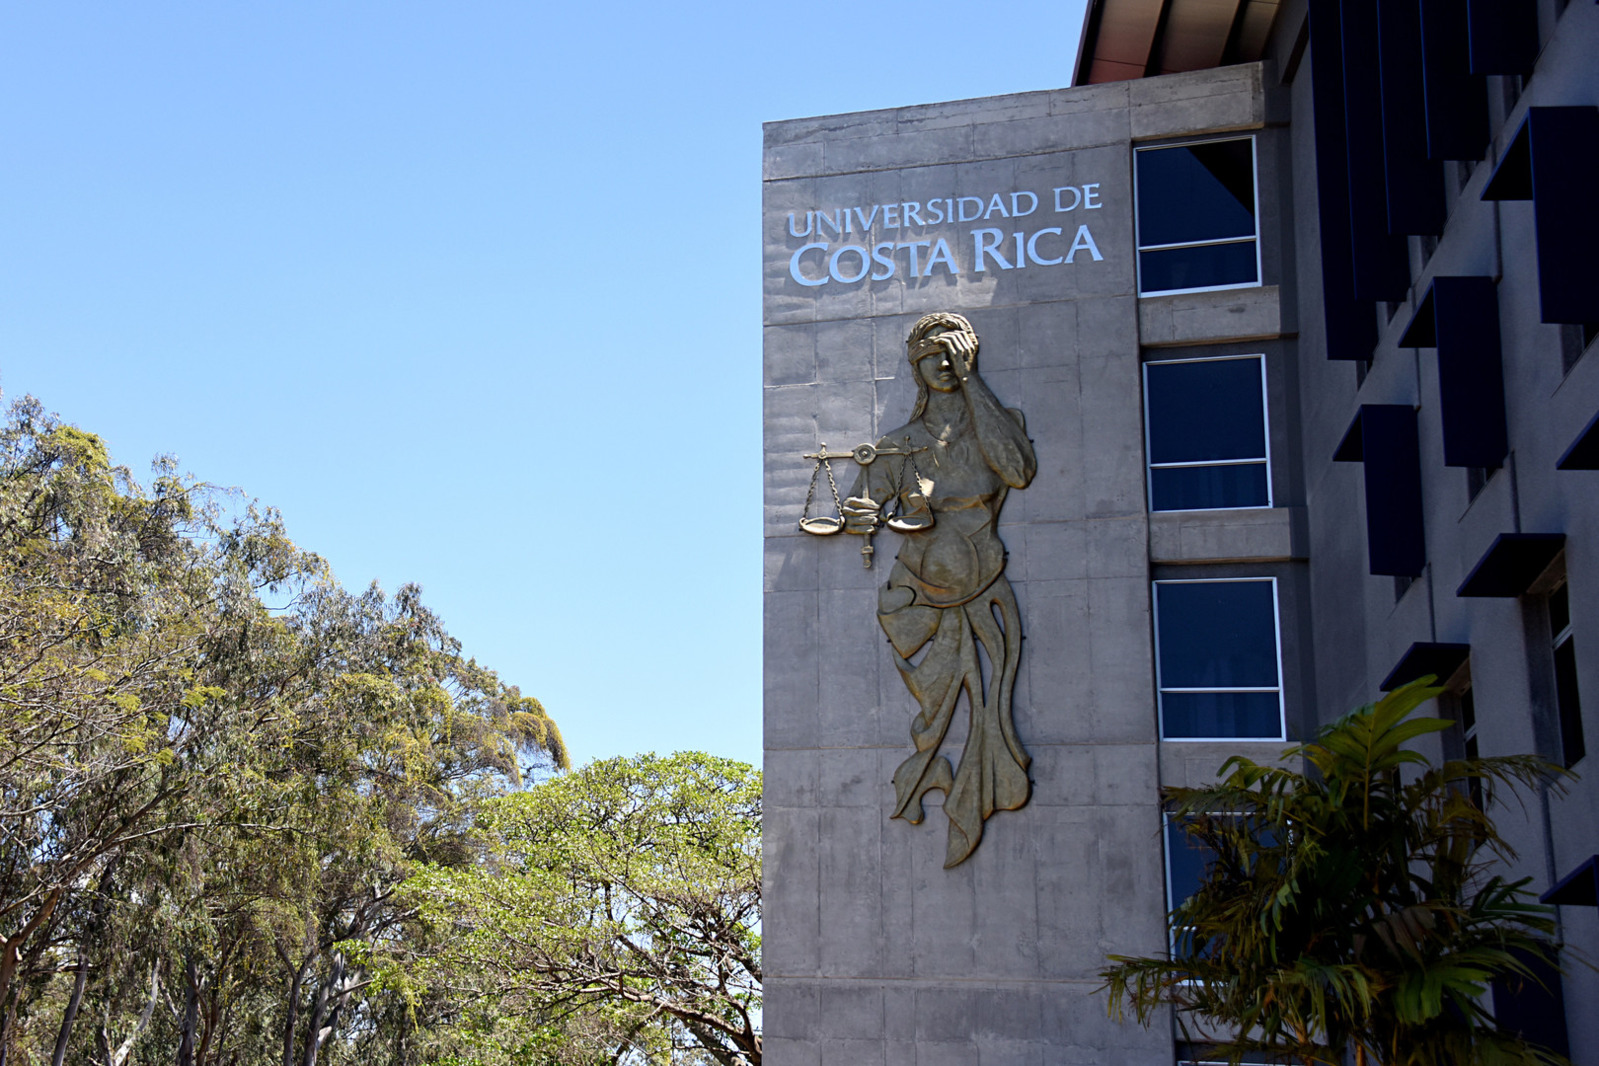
[469, 290]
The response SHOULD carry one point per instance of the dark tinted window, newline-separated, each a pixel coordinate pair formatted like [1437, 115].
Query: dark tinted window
[1216, 641]
[1209, 409]
[1196, 192]
[1572, 745]
[1186, 860]
[1207, 434]
[1205, 488]
[1196, 216]
[1198, 267]
[1217, 634]
[1220, 715]
[1559, 612]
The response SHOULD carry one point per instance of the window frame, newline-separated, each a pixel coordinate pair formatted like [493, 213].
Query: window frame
[1465, 708]
[1265, 428]
[1568, 701]
[1161, 689]
[1139, 248]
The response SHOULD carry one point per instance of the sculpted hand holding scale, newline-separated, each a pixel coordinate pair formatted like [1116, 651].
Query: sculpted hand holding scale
[941, 480]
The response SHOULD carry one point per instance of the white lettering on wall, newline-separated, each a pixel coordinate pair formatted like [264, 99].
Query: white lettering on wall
[884, 261]
[1084, 242]
[987, 244]
[941, 255]
[794, 265]
[837, 274]
[1032, 248]
[841, 250]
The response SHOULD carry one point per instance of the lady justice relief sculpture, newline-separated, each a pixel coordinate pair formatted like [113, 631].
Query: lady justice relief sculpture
[940, 481]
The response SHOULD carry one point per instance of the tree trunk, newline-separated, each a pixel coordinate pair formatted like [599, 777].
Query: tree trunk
[291, 1010]
[120, 1055]
[191, 1012]
[71, 1014]
[320, 1009]
[70, 1017]
[208, 1032]
[8, 966]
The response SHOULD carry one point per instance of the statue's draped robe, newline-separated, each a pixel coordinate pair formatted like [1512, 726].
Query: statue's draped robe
[947, 594]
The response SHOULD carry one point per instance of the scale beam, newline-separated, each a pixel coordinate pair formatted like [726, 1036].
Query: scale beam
[865, 455]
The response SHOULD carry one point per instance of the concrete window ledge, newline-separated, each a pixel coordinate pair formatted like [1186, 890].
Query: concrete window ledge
[1206, 317]
[1193, 763]
[1268, 534]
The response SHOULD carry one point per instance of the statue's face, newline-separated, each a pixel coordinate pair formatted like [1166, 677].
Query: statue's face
[937, 370]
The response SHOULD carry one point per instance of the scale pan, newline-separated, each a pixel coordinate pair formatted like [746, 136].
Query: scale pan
[822, 527]
[911, 523]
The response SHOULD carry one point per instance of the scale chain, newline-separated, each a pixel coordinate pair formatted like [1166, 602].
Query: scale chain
[838, 506]
[810, 492]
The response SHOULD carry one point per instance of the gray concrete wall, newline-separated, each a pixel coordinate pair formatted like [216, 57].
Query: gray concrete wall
[1361, 627]
[874, 954]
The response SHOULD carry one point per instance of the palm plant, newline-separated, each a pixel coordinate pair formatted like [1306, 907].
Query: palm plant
[1351, 909]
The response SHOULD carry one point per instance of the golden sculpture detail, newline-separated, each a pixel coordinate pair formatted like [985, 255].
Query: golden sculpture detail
[940, 480]
[865, 455]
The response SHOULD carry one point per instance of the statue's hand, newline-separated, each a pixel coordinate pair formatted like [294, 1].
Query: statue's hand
[861, 514]
[962, 347]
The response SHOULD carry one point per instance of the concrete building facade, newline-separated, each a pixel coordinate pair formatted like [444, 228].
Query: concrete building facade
[1253, 411]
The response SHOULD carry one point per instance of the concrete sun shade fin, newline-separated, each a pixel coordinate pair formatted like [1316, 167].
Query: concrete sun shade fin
[1383, 437]
[1553, 160]
[1459, 316]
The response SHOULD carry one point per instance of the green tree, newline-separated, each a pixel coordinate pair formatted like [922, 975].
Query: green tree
[111, 598]
[1351, 908]
[614, 916]
[216, 767]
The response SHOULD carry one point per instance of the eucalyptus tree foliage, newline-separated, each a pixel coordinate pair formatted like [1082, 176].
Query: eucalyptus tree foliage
[614, 917]
[1355, 909]
[216, 767]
